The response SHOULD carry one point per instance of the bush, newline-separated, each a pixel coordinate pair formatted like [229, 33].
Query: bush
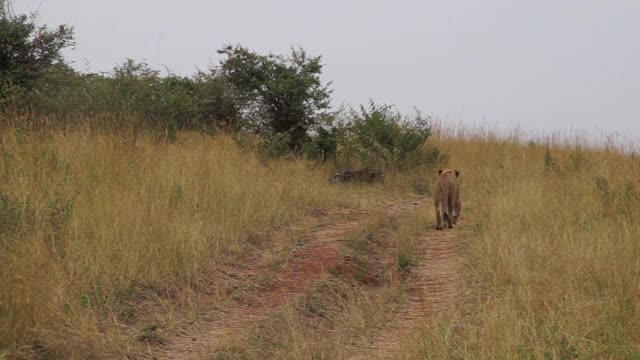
[323, 145]
[379, 137]
[276, 145]
[134, 94]
[217, 105]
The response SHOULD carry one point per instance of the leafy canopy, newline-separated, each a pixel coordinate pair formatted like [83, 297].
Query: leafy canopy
[27, 52]
[278, 95]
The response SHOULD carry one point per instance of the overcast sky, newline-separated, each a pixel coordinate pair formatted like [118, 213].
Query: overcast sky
[544, 65]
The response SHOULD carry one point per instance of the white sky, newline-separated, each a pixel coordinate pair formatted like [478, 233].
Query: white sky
[543, 65]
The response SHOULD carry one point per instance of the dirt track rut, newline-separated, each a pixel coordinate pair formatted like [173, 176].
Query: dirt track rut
[433, 288]
[311, 262]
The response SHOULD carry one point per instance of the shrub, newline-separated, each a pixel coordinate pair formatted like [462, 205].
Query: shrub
[377, 136]
[323, 145]
[134, 94]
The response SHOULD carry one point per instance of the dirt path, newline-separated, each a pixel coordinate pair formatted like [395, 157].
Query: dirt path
[311, 262]
[433, 288]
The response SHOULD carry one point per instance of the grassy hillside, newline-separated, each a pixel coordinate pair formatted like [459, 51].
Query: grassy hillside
[554, 267]
[102, 239]
[89, 222]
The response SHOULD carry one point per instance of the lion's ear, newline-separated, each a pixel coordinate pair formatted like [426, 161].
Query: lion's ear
[440, 172]
[457, 173]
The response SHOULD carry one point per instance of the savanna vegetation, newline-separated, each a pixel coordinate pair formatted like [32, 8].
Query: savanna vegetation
[133, 205]
[554, 257]
[551, 272]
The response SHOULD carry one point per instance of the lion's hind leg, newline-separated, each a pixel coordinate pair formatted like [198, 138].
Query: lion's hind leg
[457, 209]
[438, 217]
[449, 215]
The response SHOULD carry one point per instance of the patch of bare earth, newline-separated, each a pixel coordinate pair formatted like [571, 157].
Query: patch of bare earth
[310, 262]
[433, 287]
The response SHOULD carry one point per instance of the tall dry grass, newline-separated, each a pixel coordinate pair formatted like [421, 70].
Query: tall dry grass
[554, 257]
[554, 268]
[85, 218]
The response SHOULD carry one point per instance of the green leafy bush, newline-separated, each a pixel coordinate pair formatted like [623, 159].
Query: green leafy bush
[322, 145]
[380, 137]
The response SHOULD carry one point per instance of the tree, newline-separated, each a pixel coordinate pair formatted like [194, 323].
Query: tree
[27, 52]
[278, 95]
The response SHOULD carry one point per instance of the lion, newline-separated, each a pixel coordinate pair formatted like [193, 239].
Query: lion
[446, 198]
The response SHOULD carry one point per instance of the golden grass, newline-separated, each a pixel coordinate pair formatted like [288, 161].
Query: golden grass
[555, 259]
[86, 218]
[554, 267]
